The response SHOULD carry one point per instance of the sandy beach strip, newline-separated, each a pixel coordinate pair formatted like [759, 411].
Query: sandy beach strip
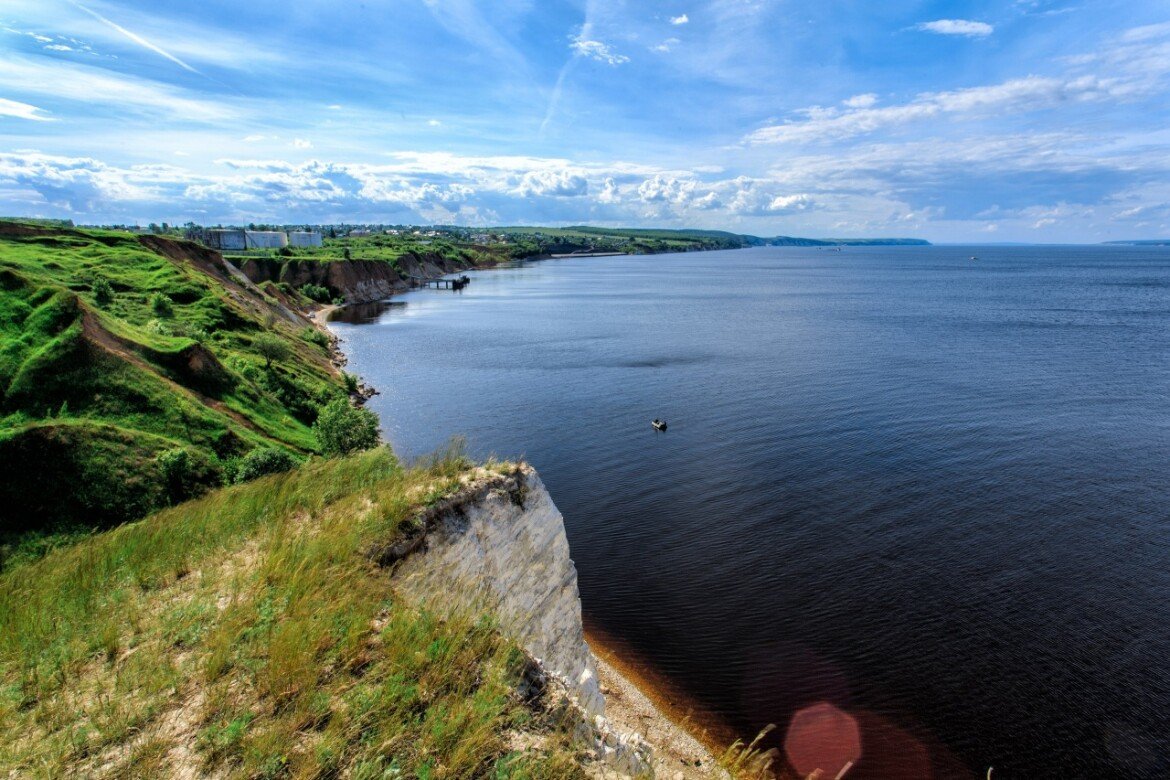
[638, 700]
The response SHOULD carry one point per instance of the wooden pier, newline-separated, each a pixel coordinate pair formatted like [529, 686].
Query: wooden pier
[458, 283]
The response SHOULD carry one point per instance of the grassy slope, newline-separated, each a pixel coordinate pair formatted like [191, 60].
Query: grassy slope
[90, 395]
[246, 634]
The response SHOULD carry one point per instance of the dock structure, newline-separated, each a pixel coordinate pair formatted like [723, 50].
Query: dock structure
[458, 283]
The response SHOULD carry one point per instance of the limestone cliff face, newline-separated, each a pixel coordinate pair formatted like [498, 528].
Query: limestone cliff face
[502, 549]
[358, 281]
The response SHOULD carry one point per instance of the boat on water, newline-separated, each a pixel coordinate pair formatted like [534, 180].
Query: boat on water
[973, 257]
[659, 425]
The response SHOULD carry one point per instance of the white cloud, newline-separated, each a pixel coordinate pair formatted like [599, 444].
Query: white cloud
[22, 111]
[677, 20]
[708, 202]
[1138, 75]
[434, 123]
[964, 27]
[664, 188]
[301, 143]
[609, 192]
[554, 183]
[867, 100]
[71, 81]
[666, 45]
[752, 199]
[582, 46]
[255, 137]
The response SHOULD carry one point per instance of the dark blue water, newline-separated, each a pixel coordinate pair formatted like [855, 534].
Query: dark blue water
[929, 490]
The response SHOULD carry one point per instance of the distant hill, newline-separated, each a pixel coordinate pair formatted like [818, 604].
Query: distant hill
[1143, 242]
[649, 240]
[790, 241]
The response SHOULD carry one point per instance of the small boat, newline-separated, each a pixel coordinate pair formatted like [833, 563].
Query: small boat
[659, 425]
[973, 257]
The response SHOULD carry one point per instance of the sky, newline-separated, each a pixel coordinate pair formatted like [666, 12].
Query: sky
[1015, 120]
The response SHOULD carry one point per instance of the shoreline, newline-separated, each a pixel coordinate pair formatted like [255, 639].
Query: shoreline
[687, 739]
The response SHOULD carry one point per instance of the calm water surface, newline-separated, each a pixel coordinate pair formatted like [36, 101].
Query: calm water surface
[930, 491]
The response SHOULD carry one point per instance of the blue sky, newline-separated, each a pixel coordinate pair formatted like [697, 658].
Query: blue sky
[1017, 120]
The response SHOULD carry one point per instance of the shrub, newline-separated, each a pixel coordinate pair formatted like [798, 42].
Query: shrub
[351, 382]
[316, 292]
[161, 305]
[178, 474]
[342, 428]
[103, 293]
[315, 336]
[270, 347]
[264, 460]
[285, 251]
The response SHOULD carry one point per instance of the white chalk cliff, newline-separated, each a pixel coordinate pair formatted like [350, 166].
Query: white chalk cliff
[500, 547]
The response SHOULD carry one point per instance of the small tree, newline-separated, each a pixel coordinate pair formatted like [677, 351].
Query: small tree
[103, 293]
[270, 347]
[178, 474]
[264, 460]
[346, 253]
[342, 428]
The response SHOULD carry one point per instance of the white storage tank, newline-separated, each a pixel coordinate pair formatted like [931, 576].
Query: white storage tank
[301, 238]
[266, 239]
[226, 239]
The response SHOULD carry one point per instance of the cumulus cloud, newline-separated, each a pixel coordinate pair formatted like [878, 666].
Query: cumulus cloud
[708, 202]
[964, 27]
[677, 20]
[664, 188]
[563, 184]
[301, 143]
[666, 45]
[77, 185]
[752, 199]
[609, 192]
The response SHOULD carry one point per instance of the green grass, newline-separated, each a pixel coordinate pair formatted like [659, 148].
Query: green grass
[248, 633]
[93, 389]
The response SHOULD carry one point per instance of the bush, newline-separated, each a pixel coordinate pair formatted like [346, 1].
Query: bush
[270, 347]
[161, 305]
[264, 460]
[351, 382]
[316, 292]
[342, 428]
[178, 474]
[103, 293]
[315, 336]
[285, 251]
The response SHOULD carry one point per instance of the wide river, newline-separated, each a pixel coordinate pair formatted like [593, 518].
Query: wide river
[929, 490]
